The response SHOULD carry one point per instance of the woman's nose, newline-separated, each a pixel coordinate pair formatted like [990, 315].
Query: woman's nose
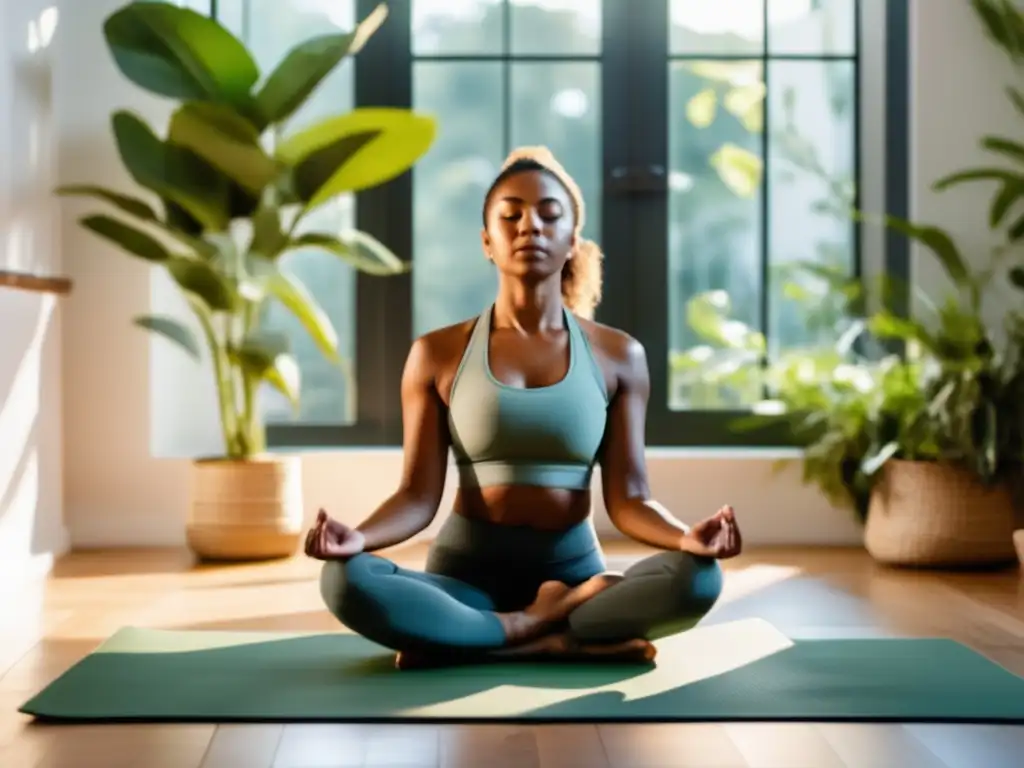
[529, 222]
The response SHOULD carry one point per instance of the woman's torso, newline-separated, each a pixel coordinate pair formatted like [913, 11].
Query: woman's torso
[552, 369]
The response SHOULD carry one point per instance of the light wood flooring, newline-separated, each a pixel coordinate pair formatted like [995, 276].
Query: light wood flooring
[804, 592]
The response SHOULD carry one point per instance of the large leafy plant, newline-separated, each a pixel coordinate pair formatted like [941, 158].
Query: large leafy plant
[233, 187]
[951, 395]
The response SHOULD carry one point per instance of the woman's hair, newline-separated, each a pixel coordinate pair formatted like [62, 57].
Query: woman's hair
[581, 275]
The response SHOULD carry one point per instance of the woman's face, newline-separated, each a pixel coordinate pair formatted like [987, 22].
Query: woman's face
[530, 226]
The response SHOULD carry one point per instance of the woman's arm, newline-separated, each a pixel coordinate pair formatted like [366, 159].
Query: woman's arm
[425, 444]
[627, 495]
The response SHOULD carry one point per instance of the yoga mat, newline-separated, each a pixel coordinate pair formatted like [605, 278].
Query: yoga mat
[742, 670]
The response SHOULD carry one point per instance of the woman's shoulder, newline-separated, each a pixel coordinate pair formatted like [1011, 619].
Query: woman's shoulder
[613, 344]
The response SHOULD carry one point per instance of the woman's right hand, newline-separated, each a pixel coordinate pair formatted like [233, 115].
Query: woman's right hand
[330, 540]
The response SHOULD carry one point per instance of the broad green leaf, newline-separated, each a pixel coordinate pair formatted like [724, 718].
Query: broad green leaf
[1009, 194]
[1011, 149]
[180, 53]
[134, 241]
[226, 140]
[172, 330]
[267, 357]
[130, 205]
[202, 280]
[173, 173]
[939, 243]
[268, 239]
[978, 174]
[738, 168]
[874, 462]
[295, 297]
[307, 64]
[701, 108]
[389, 142]
[359, 249]
[886, 325]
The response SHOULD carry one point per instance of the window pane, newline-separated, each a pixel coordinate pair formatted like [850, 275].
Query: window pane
[452, 280]
[271, 28]
[559, 105]
[811, 177]
[556, 27]
[812, 27]
[716, 27]
[457, 27]
[715, 227]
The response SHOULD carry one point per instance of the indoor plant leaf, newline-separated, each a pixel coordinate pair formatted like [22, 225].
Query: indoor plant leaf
[173, 173]
[1017, 277]
[939, 243]
[224, 139]
[297, 299]
[306, 65]
[387, 142]
[361, 250]
[134, 241]
[173, 330]
[201, 279]
[266, 357]
[130, 205]
[179, 53]
[871, 463]
[976, 174]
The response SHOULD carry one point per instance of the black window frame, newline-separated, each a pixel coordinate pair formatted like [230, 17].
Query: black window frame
[634, 136]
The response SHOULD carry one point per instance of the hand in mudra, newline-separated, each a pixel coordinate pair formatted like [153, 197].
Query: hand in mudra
[718, 536]
[330, 540]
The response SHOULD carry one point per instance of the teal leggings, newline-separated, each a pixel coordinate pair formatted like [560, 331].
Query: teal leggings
[475, 569]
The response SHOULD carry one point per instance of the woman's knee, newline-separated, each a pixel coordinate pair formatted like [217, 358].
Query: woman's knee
[340, 578]
[696, 582]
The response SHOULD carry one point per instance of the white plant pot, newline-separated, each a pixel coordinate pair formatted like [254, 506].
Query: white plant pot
[249, 509]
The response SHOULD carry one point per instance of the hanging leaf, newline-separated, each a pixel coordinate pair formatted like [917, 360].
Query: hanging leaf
[362, 149]
[307, 64]
[978, 174]
[134, 241]
[939, 243]
[173, 173]
[267, 357]
[130, 205]
[739, 169]
[204, 281]
[701, 108]
[359, 249]
[297, 299]
[180, 54]
[874, 462]
[225, 140]
[173, 331]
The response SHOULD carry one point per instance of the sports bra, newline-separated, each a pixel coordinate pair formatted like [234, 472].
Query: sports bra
[541, 436]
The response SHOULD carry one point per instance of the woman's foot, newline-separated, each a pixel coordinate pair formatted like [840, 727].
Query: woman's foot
[553, 604]
[556, 647]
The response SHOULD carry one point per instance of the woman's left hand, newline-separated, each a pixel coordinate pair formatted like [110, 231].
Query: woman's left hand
[718, 536]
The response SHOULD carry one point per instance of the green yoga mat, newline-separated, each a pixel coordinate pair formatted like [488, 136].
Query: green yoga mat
[743, 670]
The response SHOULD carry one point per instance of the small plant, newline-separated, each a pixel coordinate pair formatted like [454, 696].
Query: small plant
[233, 188]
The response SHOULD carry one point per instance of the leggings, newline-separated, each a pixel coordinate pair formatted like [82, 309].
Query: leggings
[475, 569]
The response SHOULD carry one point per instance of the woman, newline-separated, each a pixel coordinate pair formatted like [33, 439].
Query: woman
[529, 397]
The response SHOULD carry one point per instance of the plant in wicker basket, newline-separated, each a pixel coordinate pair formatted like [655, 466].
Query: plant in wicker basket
[920, 443]
[233, 189]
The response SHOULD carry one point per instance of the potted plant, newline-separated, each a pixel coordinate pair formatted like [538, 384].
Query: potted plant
[231, 188]
[921, 444]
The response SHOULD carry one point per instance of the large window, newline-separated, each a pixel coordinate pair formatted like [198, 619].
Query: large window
[712, 139]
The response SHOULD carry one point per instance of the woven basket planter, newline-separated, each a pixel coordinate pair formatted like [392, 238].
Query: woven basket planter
[934, 515]
[245, 509]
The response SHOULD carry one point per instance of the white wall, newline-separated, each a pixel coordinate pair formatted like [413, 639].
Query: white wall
[32, 528]
[118, 495]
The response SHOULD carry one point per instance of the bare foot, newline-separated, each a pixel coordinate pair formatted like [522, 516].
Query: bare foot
[563, 646]
[556, 647]
[554, 602]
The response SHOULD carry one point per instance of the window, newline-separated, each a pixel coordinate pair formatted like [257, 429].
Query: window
[707, 135]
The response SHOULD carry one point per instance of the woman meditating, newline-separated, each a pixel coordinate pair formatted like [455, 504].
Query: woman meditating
[529, 397]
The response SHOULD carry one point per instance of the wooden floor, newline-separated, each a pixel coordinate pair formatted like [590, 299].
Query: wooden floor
[805, 593]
